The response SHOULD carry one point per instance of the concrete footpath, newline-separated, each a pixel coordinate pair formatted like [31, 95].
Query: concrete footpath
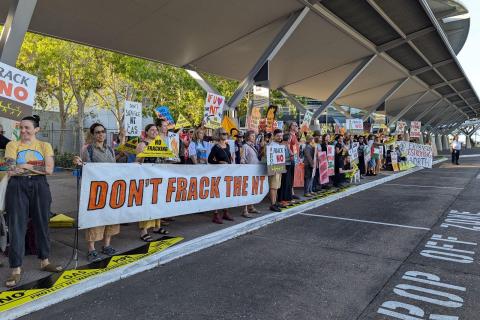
[406, 247]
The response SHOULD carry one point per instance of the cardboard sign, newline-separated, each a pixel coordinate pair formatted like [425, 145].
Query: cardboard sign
[173, 144]
[254, 121]
[130, 146]
[182, 122]
[213, 110]
[415, 129]
[367, 155]
[323, 167]
[353, 153]
[157, 148]
[17, 92]
[354, 126]
[331, 160]
[400, 129]
[394, 158]
[276, 158]
[133, 118]
[271, 114]
[280, 125]
[307, 119]
[163, 112]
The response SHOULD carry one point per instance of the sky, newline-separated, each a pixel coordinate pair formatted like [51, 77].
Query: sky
[469, 56]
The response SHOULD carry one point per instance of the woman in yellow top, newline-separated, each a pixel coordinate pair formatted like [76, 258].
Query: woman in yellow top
[28, 196]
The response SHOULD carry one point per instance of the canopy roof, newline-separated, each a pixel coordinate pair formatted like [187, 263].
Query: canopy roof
[227, 38]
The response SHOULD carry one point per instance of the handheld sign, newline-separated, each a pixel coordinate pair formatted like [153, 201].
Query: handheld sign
[130, 146]
[182, 122]
[133, 118]
[276, 155]
[213, 110]
[157, 148]
[17, 92]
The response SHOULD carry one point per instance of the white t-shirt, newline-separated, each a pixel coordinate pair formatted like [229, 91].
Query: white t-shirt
[456, 145]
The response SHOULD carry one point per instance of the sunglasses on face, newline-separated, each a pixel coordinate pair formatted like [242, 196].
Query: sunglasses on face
[98, 132]
[223, 133]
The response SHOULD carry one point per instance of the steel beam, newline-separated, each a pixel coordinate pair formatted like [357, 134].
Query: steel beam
[344, 85]
[408, 107]
[400, 41]
[443, 84]
[290, 26]
[432, 66]
[298, 105]
[14, 30]
[427, 110]
[385, 97]
[432, 119]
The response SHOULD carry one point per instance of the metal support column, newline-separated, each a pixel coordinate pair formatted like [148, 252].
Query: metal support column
[344, 85]
[298, 105]
[15, 28]
[292, 23]
[407, 108]
[383, 99]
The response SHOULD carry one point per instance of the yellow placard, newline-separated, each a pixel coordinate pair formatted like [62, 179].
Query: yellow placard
[182, 122]
[229, 124]
[130, 146]
[391, 140]
[157, 148]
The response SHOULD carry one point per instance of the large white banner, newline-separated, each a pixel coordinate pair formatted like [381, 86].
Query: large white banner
[130, 192]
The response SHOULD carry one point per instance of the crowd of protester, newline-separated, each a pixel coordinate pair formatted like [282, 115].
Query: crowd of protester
[28, 194]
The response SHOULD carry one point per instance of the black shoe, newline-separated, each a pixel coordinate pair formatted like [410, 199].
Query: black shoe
[457, 163]
[275, 208]
[295, 197]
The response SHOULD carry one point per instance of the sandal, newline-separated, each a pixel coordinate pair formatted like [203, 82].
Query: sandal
[253, 210]
[52, 268]
[13, 280]
[146, 238]
[162, 231]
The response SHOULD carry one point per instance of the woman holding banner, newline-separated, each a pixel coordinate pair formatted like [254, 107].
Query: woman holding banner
[151, 133]
[249, 156]
[199, 149]
[97, 152]
[220, 154]
[28, 196]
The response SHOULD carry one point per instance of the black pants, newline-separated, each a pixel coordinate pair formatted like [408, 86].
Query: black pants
[28, 197]
[455, 156]
[285, 191]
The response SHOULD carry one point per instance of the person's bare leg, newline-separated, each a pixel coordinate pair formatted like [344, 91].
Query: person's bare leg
[91, 245]
[107, 240]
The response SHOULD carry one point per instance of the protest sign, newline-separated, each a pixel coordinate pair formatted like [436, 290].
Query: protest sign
[353, 153]
[271, 114]
[173, 144]
[133, 118]
[331, 159]
[400, 129]
[280, 125]
[415, 129]
[182, 122]
[354, 126]
[213, 110]
[420, 155]
[123, 193]
[254, 121]
[323, 167]
[157, 148]
[394, 158]
[403, 147]
[17, 92]
[130, 146]
[307, 118]
[276, 157]
[163, 112]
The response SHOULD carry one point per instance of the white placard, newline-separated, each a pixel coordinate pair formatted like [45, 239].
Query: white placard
[17, 85]
[133, 118]
[415, 129]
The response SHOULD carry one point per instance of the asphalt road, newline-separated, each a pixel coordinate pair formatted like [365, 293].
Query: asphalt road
[391, 251]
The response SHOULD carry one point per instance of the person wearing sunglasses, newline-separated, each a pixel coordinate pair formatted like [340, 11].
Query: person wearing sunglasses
[99, 152]
[220, 154]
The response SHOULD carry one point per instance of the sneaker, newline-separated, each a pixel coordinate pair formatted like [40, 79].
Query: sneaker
[93, 256]
[109, 251]
[275, 208]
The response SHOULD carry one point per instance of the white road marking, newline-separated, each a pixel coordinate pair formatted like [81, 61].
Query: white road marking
[364, 221]
[420, 186]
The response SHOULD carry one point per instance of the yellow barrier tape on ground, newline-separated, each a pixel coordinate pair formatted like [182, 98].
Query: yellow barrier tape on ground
[12, 299]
